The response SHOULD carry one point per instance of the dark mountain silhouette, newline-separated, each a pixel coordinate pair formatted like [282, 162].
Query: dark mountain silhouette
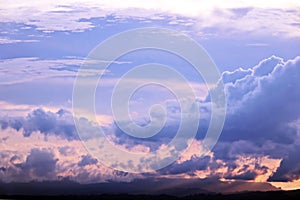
[274, 195]
[167, 186]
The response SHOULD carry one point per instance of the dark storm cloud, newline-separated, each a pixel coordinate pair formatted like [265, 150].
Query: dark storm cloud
[246, 175]
[66, 151]
[87, 160]
[59, 123]
[261, 106]
[154, 142]
[289, 168]
[41, 163]
[245, 172]
[188, 166]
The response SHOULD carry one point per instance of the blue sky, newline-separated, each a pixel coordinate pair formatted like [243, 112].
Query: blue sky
[255, 46]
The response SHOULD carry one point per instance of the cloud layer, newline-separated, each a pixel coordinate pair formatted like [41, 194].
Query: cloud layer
[230, 17]
[260, 139]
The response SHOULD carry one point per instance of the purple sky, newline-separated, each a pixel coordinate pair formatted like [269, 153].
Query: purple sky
[44, 47]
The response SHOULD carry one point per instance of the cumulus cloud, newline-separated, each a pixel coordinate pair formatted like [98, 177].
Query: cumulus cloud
[59, 123]
[266, 66]
[53, 159]
[40, 163]
[263, 102]
[232, 77]
[262, 124]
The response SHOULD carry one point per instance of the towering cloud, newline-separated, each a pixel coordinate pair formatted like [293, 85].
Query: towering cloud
[263, 114]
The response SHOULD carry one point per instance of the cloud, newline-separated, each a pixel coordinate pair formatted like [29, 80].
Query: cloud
[40, 164]
[228, 18]
[246, 175]
[53, 159]
[257, 44]
[289, 169]
[263, 101]
[5, 40]
[262, 126]
[19, 70]
[266, 66]
[87, 160]
[232, 77]
[59, 123]
[188, 166]
[263, 105]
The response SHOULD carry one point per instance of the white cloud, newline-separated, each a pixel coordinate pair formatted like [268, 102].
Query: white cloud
[18, 110]
[257, 44]
[263, 17]
[5, 40]
[18, 70]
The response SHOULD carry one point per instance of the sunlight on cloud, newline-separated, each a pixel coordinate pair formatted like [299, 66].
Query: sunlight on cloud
[68, 156]
[233, 16]
[39, 140]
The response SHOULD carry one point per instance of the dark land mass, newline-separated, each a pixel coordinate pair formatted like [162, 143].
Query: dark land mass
[274, 195]
[145, 189]
[150, 186]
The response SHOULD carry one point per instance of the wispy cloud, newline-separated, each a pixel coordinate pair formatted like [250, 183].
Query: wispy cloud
[257, 44]
[18, 70]
[227, 18]
[6, 40]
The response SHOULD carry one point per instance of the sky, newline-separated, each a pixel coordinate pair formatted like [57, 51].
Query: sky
[81, 100]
